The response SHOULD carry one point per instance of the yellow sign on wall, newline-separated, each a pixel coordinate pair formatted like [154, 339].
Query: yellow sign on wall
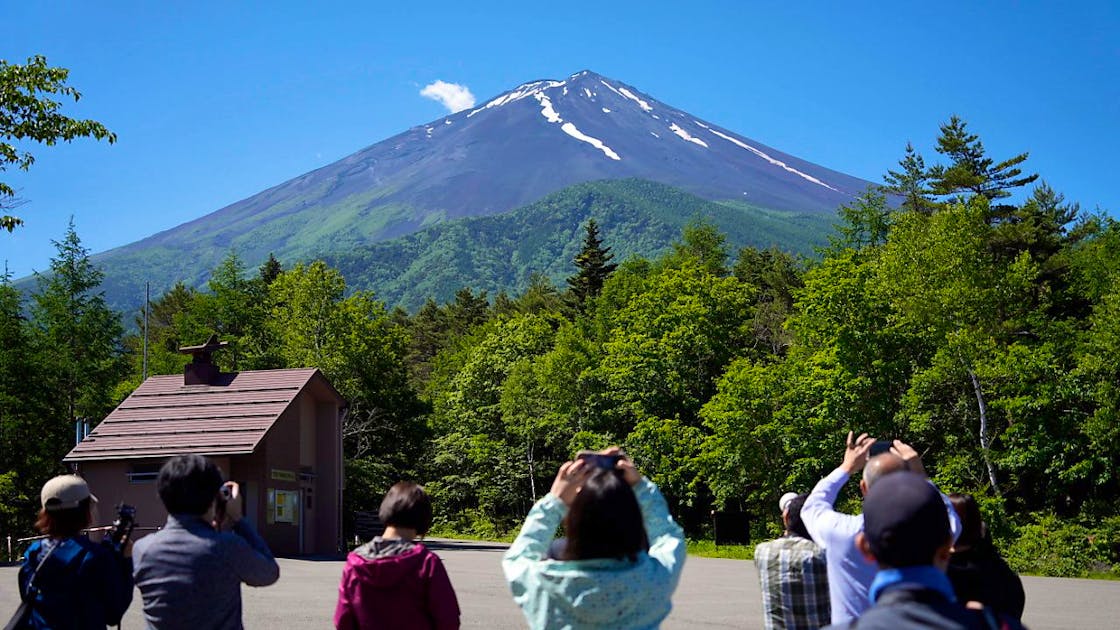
[283, 506]
[283, 475]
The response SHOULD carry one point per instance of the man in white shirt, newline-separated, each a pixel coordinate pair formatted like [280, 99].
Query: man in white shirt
[849, 573]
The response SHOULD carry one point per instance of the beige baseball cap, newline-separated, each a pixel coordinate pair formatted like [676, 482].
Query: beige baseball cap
[65, 492]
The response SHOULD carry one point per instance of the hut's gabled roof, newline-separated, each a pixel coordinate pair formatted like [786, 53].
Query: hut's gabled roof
[164, 417]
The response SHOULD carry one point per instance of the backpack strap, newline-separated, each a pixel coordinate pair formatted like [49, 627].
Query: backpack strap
[26, 594]
[75, 558]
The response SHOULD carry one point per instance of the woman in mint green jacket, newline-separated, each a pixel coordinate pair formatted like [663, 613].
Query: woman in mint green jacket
[622, 559]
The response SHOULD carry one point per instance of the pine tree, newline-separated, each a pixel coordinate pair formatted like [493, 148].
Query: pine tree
[971, 169]
[77, 341]
[593, 262]
[270, 269]
[911, 183]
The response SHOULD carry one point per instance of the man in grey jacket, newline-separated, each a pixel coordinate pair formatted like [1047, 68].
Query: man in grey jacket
[190, 572]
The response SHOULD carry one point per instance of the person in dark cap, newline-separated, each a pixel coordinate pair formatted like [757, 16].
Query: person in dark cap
[906, 533]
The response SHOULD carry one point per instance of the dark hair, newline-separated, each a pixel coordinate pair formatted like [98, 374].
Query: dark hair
[188, 484]
[972, 524]
[64, 523]
[407, 505]
[795, 525]
[604, 520]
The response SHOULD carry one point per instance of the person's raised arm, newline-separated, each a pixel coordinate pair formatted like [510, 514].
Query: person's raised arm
[248, 554]
[820, 517]
[531, 544]
[666, 538]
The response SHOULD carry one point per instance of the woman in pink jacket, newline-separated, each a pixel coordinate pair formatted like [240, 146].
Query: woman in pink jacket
[394, 581]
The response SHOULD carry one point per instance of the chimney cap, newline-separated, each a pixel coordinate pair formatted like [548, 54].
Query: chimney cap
[211, 345]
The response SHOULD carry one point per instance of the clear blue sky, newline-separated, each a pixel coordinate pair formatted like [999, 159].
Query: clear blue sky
[216, 101]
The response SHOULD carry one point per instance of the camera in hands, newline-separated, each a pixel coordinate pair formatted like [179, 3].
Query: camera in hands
[122, 526]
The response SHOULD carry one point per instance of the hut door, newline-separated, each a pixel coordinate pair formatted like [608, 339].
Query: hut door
[251, 506]
[307, 529]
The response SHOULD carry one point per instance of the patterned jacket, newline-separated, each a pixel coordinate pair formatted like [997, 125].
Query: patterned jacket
[599, 593]
[794, 578]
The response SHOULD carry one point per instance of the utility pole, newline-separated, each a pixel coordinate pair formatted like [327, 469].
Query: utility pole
[147, 301]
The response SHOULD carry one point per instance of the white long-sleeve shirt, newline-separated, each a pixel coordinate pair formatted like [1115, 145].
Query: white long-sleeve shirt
[849, 573]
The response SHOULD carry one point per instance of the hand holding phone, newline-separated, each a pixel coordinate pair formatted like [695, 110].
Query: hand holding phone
[600, 460]
[880, 447]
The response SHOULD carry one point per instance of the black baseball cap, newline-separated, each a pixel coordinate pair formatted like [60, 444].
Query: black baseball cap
[904, 520]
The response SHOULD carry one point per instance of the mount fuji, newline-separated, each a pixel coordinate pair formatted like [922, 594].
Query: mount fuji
[510, 151]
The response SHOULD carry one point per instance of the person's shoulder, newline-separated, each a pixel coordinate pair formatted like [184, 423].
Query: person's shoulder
[802, 546]
[33, 549]
[429, 557]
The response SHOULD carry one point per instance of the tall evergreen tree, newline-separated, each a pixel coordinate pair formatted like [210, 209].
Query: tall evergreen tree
[911, 183]
[77, 342]
[594, 265]
[971, 170]
[270, 269]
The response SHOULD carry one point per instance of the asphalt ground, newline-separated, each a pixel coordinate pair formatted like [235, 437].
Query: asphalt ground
[713, 593]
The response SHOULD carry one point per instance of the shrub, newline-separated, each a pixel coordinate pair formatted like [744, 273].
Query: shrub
[1049, 546]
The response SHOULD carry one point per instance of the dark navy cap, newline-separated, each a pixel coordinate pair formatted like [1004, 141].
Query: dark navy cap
[904, 520]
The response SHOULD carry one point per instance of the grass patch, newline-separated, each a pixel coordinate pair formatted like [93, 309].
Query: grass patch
[701, 548]
[708, 549]
[447, 533]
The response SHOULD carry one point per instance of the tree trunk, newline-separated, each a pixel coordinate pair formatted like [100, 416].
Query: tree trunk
[532, 472]
[985, 443]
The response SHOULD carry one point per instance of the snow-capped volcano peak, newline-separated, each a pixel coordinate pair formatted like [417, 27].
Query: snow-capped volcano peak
[607, 115]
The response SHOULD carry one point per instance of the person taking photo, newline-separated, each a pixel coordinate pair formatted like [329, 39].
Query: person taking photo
[190, 572]
[66, 580]
[622, 558]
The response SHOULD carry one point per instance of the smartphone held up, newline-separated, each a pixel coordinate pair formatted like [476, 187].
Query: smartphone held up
[599, 460]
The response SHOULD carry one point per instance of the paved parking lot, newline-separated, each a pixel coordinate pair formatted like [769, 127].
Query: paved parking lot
[713, 594]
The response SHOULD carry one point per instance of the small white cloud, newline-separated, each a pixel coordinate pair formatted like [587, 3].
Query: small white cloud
[453, 96]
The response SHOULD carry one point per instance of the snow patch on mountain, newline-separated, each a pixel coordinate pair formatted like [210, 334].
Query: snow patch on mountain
[587, 92]
[771, 160]
[522, 91]
[611, 87]
[687, 136]
[550, 114]
[547, 110]
[630, 95]
[571, 130]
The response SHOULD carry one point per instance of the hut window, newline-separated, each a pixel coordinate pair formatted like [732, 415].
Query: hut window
[143, 473]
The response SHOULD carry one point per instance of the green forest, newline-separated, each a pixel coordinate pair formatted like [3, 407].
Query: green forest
[964, 307]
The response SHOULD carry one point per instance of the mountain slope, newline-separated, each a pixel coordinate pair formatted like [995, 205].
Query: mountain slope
[498, 253]
[510, 151]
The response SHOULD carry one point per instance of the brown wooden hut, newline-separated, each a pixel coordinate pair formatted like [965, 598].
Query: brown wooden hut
[278, 433]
